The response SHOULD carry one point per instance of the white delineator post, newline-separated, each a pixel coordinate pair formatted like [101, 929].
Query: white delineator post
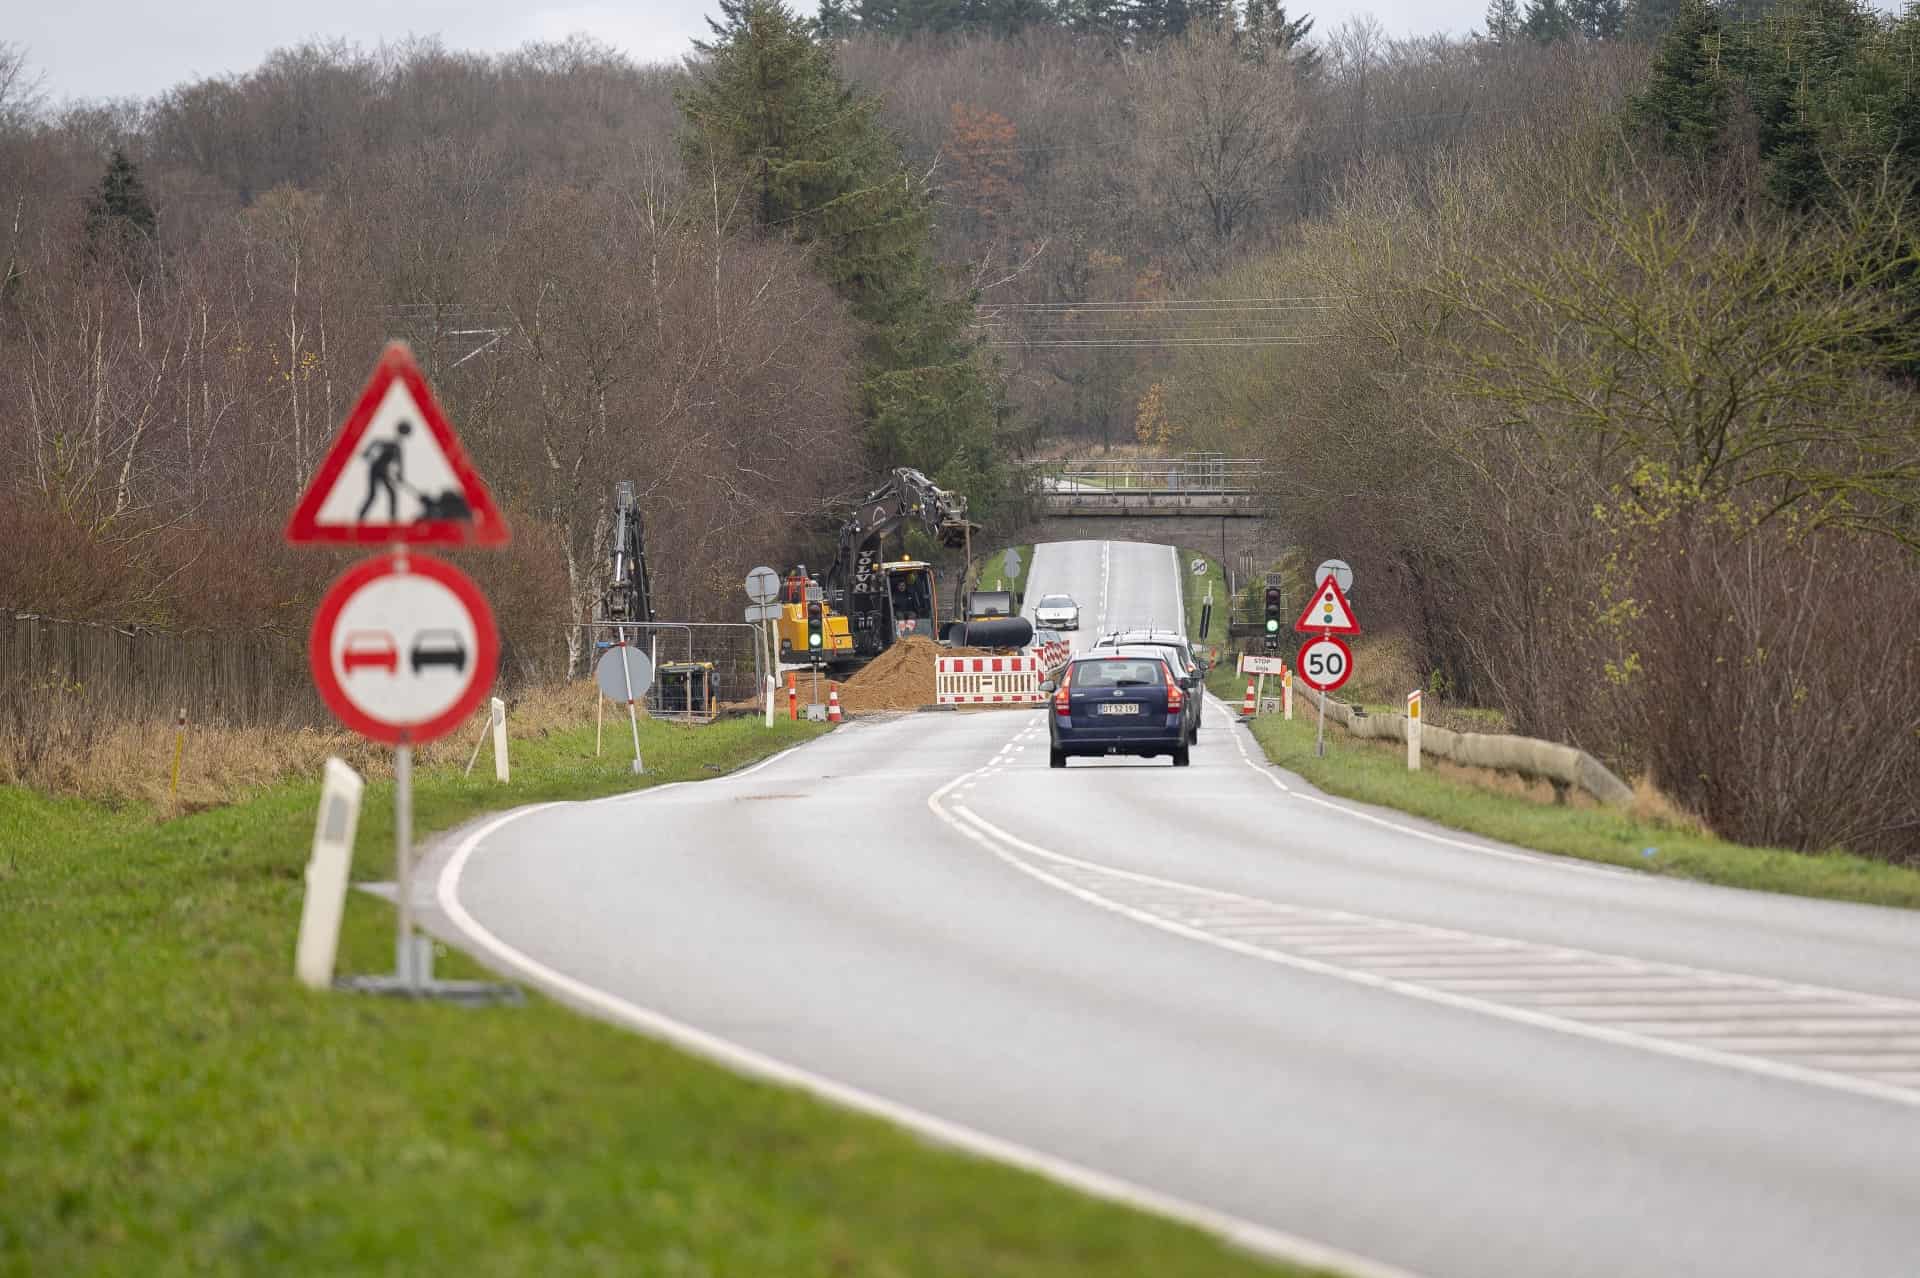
[326, 896]
[1413, 731]
[499, 740]
[1286, 694]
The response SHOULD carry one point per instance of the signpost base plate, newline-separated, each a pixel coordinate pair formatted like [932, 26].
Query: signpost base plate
[466, 993]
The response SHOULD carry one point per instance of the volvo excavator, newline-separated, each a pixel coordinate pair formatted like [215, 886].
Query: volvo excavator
[865, 601]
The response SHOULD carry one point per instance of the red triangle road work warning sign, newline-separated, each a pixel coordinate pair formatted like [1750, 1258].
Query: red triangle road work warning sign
[1327, 611]
[396, 472]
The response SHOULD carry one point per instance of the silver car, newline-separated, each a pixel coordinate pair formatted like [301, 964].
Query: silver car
[1057, 612]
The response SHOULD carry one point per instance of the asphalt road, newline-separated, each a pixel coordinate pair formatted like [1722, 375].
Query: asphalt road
[1420, 1049]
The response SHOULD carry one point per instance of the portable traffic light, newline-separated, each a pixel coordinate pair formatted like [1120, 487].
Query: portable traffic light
[1274, 621]
[816, 626]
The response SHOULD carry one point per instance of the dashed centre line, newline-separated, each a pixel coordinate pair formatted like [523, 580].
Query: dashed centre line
[1840, 1040]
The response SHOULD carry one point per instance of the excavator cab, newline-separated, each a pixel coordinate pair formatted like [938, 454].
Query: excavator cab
[912, 600]
[805, 614]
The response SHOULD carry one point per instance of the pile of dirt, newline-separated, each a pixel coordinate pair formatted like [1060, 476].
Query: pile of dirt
[901, 678]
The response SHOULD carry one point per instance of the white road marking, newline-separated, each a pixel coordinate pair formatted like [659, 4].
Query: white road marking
[1243, 1233]
[1542, 859]
[1288, 935]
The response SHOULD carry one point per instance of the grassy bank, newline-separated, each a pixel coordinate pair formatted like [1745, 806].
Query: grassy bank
[994, 575]
[1501, 808]
[172, 1103]
[1195, 587]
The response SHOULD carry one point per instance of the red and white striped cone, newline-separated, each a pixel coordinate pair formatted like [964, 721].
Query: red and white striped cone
[833, 703]
[1248, 707]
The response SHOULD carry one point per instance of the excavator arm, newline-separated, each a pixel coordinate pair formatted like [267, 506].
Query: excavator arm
[629, 596]
[908, 497]
[858, 581]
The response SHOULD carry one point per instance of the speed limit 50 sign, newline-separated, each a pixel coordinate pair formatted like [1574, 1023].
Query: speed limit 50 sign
[1324, 663]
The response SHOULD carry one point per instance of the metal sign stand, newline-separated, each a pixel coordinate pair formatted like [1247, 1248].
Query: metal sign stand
[1320, 735]
[633, 716]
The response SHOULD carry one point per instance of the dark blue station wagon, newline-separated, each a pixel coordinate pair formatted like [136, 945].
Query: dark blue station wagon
[1115, 704]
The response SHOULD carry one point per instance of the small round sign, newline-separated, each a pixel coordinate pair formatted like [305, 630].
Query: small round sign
[762, 585]
[1324, 663]
[403, 648]
[1336, 569]
[624, 674]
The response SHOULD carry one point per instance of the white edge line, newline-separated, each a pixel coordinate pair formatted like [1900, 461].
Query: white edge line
[1241, 1233]
[1545, 860]
[987, 833]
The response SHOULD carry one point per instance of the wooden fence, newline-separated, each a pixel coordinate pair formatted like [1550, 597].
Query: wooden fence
[132, 673]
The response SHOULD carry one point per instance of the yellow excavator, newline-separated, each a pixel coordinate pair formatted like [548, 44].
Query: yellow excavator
[868, 601]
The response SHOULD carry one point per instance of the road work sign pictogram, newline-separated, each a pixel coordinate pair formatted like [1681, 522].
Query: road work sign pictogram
[403, 648]
[397, 472]
[1327, 611]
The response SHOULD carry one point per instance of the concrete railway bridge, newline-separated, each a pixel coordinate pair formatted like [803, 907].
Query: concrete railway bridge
[1218, 505]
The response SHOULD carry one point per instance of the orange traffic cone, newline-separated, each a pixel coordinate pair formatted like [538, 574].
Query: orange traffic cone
[1248, 707]
[833, 703]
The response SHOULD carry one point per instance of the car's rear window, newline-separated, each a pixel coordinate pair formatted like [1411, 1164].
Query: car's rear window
[1056, 601]
[1117, 672]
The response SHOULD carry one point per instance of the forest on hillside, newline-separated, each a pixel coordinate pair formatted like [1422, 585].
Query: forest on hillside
[1591, 333]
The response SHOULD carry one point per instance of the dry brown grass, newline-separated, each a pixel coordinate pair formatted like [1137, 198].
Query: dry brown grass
[1655, 807]
[68, 748]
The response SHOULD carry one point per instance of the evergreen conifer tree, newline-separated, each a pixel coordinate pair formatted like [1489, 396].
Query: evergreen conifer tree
[119, 214]
[1685, 101]
[771, 113]
[1267, 29]
[1598, 19]
[1504, 24]
[1547, 21]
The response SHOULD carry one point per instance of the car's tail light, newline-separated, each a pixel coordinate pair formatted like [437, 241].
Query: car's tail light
[1060, 693]
[1176, 699]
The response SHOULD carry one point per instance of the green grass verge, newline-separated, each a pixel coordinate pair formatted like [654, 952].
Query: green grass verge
[1195, 587]
[171, 1102]
[994, 574]
[1376, 772]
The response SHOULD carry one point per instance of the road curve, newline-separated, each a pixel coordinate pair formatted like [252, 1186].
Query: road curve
[1213, 984]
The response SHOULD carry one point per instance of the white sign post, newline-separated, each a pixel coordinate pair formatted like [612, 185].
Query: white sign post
[1413, 730]
[326, 896]
[763, 587]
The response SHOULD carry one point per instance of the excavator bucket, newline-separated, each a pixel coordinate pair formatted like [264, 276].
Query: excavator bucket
[953, 533]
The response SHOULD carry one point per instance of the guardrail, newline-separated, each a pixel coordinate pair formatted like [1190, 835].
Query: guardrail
[1562, 766]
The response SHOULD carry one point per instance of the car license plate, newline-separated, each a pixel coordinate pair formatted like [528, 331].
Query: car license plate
[1120, 707]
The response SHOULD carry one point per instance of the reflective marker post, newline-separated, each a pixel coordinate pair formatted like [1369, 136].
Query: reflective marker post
[1413, 730]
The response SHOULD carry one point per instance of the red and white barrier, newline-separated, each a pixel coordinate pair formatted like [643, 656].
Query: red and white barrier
[987, 681]
[1053, 654]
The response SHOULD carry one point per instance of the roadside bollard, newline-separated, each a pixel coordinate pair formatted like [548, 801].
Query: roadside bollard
[793, 698]
[179, 747]
[326, 896]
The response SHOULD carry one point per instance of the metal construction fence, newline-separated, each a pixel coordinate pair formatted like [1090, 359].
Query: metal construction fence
[134, 673]
[735, 651]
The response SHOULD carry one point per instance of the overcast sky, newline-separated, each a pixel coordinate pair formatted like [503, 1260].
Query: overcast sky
[117, 48]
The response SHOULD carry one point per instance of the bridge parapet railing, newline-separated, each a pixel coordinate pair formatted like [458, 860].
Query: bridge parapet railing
[1190, 475]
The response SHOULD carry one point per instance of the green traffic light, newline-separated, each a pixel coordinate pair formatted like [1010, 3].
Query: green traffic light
[813, 641]
[1273, 623]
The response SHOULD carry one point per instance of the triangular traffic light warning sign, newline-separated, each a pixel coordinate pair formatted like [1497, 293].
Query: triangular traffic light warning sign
[1327, 612]
[397, 472]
